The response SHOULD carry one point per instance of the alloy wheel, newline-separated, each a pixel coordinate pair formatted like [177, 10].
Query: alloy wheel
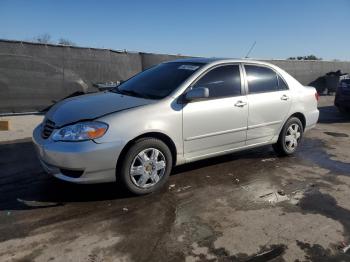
[292, 137]
[147, 168]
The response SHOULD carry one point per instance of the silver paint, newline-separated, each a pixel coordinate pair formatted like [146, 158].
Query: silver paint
[198, 129]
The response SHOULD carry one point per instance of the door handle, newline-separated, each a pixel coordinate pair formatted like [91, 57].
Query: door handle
[285, 97]
[240, 104]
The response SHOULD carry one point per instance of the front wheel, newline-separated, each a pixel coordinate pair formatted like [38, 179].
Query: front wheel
[290, 137]
[146, 166]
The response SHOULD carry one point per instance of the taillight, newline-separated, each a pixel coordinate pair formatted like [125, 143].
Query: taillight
[317, 96]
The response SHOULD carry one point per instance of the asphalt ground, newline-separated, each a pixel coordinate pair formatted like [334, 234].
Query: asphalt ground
[247, 206]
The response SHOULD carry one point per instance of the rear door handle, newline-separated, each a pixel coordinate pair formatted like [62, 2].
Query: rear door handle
[285, 97]
[240, 104]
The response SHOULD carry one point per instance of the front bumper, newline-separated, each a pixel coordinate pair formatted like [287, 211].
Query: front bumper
[94, 162]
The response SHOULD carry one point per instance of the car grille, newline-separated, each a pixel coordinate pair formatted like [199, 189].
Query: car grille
[48, 127]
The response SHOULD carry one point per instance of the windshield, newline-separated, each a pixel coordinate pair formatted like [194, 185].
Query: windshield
[159, 81]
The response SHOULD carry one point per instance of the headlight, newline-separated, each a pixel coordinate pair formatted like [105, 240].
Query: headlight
[80, 131]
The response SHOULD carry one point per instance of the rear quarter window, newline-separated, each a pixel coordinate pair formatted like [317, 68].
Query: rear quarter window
[262, 79]
[282, 85]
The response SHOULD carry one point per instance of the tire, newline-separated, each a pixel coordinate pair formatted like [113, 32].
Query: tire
[283, 147]
[147, 165]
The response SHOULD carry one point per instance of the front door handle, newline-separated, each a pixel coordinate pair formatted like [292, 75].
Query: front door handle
[285, 97]
[240, 104]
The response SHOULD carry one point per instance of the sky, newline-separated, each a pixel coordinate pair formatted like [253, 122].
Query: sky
[220, 28]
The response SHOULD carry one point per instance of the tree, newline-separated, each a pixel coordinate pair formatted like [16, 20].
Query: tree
[65, 41]
[43, 39]
[312, 57]
[309, 57]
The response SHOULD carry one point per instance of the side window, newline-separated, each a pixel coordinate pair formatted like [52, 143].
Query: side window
[282, 84]
[261, 79]
[222, 81]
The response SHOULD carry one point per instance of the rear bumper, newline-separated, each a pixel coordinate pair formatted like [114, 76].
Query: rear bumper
[89, 162]
[311, 119]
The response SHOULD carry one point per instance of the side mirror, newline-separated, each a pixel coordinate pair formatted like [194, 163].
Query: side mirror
[197, 93]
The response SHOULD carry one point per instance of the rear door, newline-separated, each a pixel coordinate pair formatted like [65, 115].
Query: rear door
[269, 101]
[218, 123]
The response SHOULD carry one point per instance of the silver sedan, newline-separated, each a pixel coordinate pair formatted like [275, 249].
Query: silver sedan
[174, 113]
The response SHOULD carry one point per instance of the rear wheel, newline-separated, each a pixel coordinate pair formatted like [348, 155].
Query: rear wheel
[290, 137]
[146, 166]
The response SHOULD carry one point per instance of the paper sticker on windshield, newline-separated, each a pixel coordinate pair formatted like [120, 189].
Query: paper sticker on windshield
[188, 67]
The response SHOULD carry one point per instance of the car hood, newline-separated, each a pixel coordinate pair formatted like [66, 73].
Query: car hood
[91, 106]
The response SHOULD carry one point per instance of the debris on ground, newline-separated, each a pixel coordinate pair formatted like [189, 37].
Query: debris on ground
[278, 198]
[281, 192]
[274, 197]
[268, 159]
[265, 195]
[274, 252]
[171, 186]
[33, 203]
[8, 213]
[296, 197]
[236, 180]
[125, 209]
[345, 248]
[246, 188]
[207, 176]
[183, 188]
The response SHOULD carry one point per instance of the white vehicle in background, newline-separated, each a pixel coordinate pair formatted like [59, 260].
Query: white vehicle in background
[174, 113]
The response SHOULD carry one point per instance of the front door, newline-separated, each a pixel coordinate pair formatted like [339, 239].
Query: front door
[218, 123]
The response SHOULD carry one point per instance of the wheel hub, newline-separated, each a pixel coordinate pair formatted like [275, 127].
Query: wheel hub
[148, 167]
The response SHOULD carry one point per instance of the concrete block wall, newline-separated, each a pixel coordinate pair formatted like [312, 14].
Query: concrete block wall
[34, 76]
[307, 72]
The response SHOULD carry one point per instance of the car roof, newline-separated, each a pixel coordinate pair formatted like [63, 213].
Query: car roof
[216, 60]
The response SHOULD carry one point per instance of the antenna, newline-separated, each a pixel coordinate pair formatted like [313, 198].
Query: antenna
[251, 49]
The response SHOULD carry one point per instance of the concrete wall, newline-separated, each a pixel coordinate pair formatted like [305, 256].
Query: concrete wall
[34, 76]
[311, 72]
[149, 60]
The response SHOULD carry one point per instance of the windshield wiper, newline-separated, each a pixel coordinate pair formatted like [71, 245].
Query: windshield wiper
[126, 92]
[132, 93]
[114, 90]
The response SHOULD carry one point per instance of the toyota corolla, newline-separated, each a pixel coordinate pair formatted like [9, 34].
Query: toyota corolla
[174, 113]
